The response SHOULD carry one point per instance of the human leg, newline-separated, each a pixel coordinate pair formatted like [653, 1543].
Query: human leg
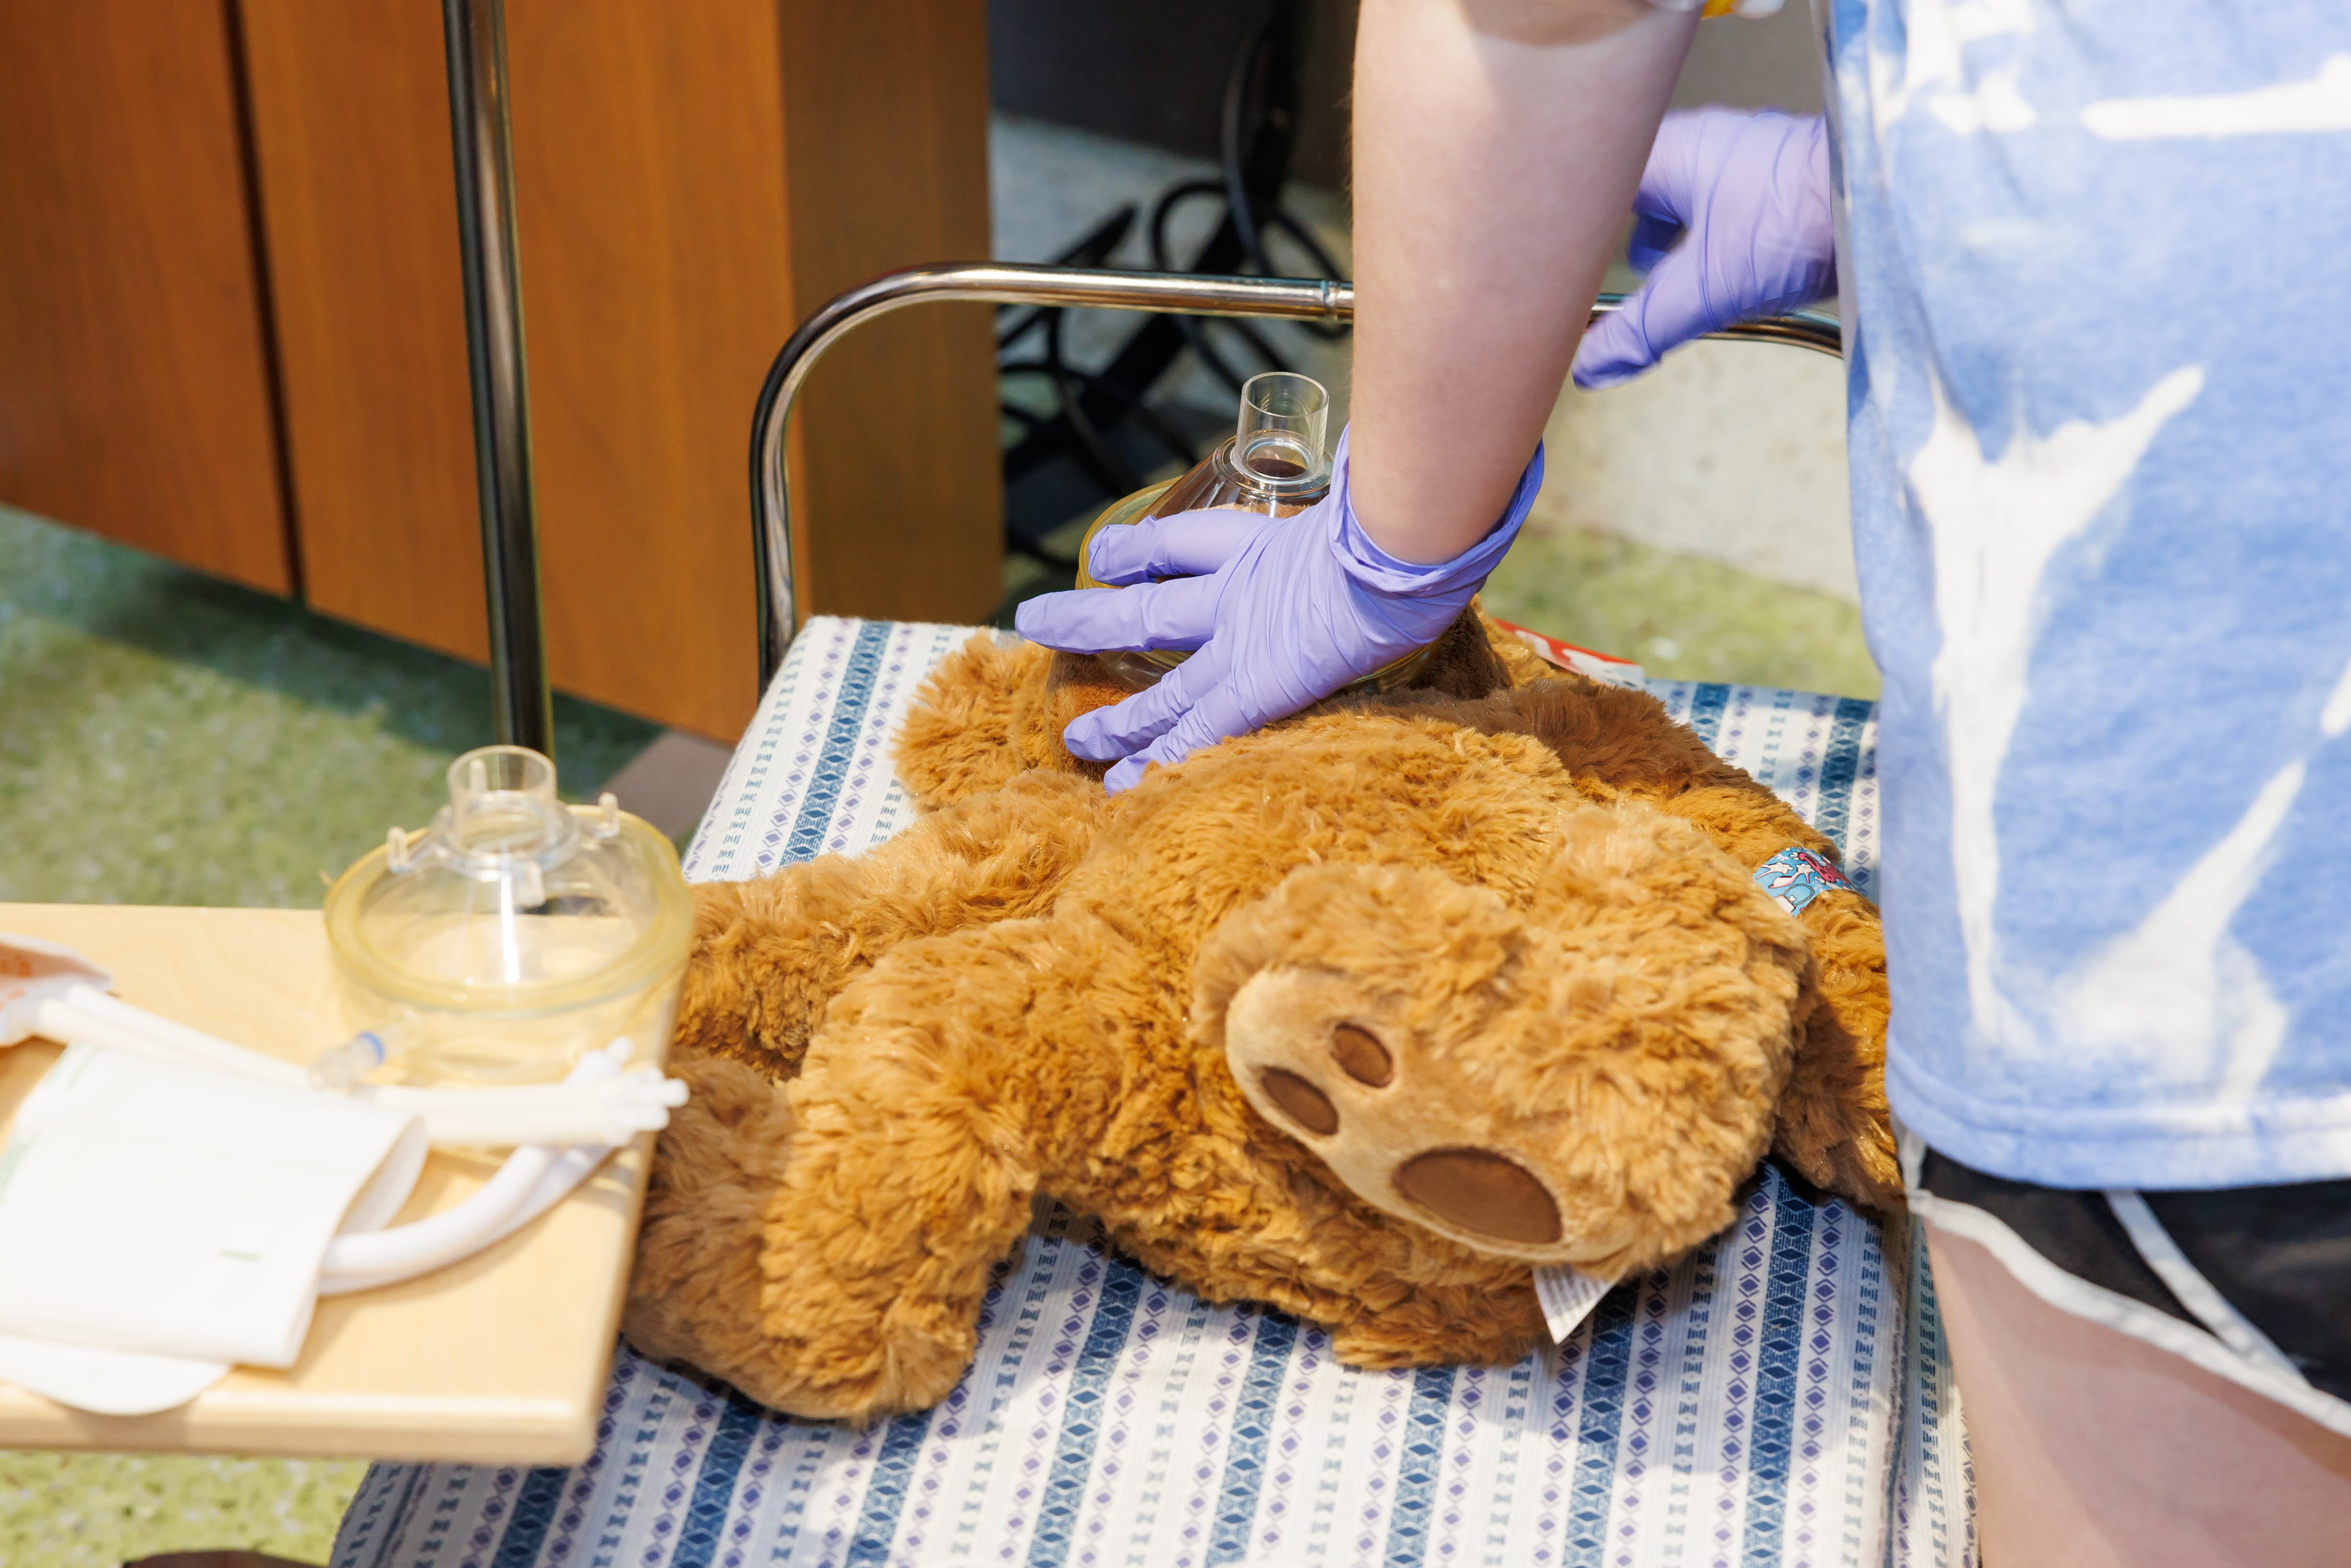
[2092, 1447]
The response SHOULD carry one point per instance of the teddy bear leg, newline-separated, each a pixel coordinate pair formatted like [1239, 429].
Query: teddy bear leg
[697, 1260]
[771, 954]
[910, 1173]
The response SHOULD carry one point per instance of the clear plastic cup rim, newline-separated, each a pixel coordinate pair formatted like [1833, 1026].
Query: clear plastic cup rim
[658, 950]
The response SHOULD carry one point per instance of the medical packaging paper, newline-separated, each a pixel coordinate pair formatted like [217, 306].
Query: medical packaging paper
[105, 1382]
[176, 1211]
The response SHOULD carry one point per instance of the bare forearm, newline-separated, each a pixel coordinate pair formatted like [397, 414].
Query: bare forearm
[1497, 144]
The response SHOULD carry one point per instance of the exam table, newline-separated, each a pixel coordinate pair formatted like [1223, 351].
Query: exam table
[1780, 1397]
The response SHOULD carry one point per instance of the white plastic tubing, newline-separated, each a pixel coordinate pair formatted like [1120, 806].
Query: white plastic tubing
[533, 1180]
[610, 1108]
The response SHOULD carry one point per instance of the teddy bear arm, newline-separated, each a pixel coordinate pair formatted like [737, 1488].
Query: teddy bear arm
[770, 955]
[1833, 1122]
[698, 1257]
[874, 1259]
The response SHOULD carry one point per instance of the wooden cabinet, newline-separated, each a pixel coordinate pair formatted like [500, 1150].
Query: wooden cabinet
[691, 180]
[886, 118]
[134, 369]
[361, 225]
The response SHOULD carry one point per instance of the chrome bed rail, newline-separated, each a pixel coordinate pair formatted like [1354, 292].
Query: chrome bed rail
[776, 553]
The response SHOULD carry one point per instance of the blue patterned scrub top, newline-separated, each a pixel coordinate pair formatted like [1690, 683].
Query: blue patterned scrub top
[2098, 253]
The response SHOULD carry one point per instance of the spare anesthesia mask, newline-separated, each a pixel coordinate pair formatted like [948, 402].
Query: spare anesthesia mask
[516, 934]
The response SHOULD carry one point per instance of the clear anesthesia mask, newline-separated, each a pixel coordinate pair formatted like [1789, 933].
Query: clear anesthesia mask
[515, 934]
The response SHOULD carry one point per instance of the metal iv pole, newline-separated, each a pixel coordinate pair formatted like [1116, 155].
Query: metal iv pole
[476, 35]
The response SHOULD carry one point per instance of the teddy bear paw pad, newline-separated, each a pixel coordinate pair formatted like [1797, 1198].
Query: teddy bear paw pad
[1300, 1101]
[1480, 1190]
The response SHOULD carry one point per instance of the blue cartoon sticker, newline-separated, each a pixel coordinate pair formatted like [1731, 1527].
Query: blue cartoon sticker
[1794, 877]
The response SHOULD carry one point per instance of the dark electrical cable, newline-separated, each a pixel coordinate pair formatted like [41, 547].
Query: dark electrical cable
[1255, 134]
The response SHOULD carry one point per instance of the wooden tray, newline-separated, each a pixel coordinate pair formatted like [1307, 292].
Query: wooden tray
[499, 1359]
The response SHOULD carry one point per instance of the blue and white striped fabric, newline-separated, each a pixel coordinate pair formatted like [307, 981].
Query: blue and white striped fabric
[1769, 1401]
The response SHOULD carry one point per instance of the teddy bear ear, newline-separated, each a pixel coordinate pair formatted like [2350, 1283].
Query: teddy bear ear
[960, 738]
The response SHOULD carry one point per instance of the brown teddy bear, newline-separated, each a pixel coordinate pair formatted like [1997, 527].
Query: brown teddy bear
[1365, 1016]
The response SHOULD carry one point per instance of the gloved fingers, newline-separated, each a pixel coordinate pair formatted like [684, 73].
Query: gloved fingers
[1183, 544]
[1125, 730]
[1218, 715]
[1652, 240]
[1671, 177]
[1178, 615]
[1751, 190]
[1669, 309]
[1802, 189]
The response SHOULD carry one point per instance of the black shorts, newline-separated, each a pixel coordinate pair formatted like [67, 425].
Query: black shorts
[2252, 1283]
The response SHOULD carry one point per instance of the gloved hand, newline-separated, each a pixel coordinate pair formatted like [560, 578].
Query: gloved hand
[1279, 612]
[1748, 196]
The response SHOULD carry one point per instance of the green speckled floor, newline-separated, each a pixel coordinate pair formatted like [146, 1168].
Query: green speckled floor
[165, 739]
[94, 1510]
[1678, 616]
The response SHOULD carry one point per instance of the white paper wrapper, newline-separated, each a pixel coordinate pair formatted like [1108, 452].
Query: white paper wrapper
[176, 1213]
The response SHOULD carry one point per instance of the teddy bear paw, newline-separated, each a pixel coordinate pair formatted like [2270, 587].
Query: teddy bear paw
[1402, 1125]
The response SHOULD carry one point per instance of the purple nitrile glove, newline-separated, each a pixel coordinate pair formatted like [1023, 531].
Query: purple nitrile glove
[1277, 612]
[1748, 195]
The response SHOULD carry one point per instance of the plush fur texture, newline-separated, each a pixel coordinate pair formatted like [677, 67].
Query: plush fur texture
[1361, 1015]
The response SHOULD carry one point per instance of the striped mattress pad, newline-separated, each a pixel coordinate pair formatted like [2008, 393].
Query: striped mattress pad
[1782, 1396]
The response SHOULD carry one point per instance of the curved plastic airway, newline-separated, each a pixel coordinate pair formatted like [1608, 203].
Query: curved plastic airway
[533, 1179]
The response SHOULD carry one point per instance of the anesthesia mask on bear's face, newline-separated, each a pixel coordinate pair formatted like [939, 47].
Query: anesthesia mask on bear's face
[516, 934]
[1274, 463]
